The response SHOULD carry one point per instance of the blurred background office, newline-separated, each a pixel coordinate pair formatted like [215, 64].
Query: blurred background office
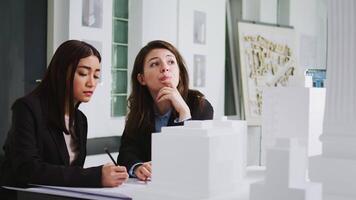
[205, 32]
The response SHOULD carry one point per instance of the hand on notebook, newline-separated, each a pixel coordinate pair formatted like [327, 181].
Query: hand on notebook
[113, 176]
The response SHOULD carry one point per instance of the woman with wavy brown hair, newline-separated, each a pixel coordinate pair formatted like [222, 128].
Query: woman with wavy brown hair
[160, 97]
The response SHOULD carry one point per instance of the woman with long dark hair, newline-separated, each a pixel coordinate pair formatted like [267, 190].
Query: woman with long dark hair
[160, 97]
[46, 143]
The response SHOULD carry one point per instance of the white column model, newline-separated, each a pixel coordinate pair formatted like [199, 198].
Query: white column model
[336, 167]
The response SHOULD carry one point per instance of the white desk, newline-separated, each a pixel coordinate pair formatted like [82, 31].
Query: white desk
[132, 189]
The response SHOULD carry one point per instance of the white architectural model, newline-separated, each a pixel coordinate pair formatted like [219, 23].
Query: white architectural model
[336, 167]
[293, 112]
[287, 123]
[200, 160]
[286, 174]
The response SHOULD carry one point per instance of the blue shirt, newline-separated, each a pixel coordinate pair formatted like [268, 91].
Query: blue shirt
[161, 120]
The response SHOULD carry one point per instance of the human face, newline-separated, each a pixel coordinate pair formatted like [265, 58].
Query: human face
[86, 78]
[160, 69]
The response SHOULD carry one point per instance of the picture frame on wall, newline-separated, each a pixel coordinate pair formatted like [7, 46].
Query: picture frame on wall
[92, 13]
[199, 34]
[267, 59]
[199, 70]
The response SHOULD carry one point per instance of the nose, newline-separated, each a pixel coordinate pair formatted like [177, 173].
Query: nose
[164, 68]
[91, 82]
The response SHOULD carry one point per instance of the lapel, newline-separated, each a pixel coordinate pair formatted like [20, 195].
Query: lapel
[58, 139]
[79, 131]
[56, 134]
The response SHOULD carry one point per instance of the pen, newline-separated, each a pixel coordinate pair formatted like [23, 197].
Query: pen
[112, 159]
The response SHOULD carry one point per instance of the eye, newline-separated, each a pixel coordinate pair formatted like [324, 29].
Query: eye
[171, 62]
[96, 76]
[154, 64]
[82, 73]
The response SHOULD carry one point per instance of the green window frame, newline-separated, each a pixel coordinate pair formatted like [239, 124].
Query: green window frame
[119, 71]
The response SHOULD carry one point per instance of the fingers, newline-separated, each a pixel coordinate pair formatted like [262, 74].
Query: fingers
[143, 175]
[143, 172]
[113, 176]
[119, 175]
[119, 168]
[148, 166]
[177, 101]
[164, 93]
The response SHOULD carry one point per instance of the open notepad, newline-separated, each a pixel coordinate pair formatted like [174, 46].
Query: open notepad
[125, 191]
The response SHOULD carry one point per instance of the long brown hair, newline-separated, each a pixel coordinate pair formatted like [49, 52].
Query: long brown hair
[57, 85]
[140, 101]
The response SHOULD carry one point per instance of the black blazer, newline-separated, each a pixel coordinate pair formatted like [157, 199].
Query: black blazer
[136, 147]
[35, 152]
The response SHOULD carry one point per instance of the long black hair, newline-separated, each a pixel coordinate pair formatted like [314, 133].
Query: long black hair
[57, 85]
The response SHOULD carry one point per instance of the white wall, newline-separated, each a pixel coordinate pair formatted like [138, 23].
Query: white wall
[160, 20]
[214, 49]
[268, 11]
[311, 31]
[251, 10]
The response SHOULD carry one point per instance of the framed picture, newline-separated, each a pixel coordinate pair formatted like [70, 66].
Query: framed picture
[92, 13]
[267, 59]
[199, 34]
[199, 70]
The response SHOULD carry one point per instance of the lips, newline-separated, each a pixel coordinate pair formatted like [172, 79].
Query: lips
[88, 93]
[165, 78]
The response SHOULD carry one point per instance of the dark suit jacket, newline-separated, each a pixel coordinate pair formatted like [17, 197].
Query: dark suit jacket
[35, 152]
[136, 147]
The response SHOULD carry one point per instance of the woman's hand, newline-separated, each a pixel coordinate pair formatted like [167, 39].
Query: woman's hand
[113, 176]
[143, 172]
[177, 101]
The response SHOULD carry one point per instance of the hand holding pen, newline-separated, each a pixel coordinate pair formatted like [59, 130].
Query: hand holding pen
[112, 174]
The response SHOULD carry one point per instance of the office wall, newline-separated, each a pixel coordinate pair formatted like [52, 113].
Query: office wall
[251, 10]
[311, 31]
[213, 49]
[268, 11]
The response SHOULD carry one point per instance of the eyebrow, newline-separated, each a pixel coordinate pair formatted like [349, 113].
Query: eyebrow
[169, 55]
[88, 68]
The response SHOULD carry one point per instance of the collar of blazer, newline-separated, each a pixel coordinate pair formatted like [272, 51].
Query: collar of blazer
[58, 138]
